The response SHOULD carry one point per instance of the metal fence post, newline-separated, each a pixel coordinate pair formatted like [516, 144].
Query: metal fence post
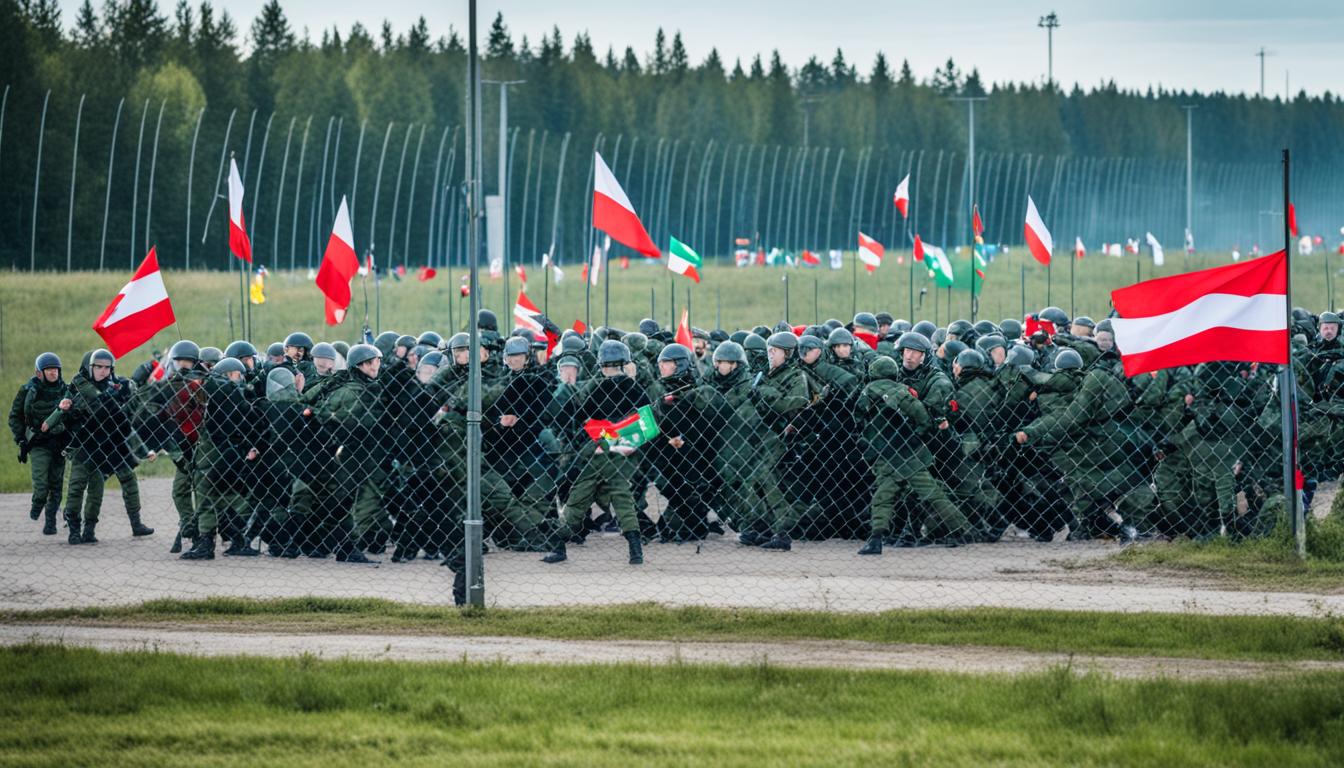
[37, 182]
[74, 169]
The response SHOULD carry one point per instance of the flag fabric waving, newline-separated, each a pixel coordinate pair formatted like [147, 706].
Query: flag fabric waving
[156, 371]
[1078, 250]
[425, 274]
[684, 330]
[238, 242]
[339, 265]
[940, 267]
[682, 260]
[1234, 312]
[140, 310]
[1292, 220]
[526, 315]
[811, 259]
[1158, 258]
[919, 249]
[1039, 240]
[613, 213]
[870, 252]
[978, 226]
[634, 430]
[902, 197]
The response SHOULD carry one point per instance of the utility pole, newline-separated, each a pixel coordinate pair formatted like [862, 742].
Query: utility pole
[970, 173]
[472, 567]
[1262, 53]
[1189, 171]
[503, 174]
[1049, 23]
[806, 104]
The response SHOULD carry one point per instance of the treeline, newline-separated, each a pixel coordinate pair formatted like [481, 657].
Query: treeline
[115, 124]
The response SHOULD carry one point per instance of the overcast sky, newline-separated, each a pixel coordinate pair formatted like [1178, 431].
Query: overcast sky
[1194, 44]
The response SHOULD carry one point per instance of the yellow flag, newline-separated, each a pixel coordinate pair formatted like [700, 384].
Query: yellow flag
[258, 289]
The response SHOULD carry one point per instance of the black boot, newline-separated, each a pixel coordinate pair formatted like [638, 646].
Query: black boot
[35, 512]
[177, 543]
[558, 554]
[780, 542]
[87, 537]
[72, 522]
[239, 547]
[202, 548]
[873, 547]
[346, 551]
[752, 538]
[49, 527]
[636, 548]
[138, 528]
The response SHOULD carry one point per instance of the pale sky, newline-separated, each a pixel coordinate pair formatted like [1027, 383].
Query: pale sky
[1194, 44]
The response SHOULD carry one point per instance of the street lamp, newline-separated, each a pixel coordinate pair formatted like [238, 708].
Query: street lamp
[1049, 22]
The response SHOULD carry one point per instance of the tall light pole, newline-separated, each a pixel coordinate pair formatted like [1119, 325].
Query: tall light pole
[1189, 171]
[970, 172]
[1049, 22]
[503, 175]
[1262, 53]
[470, 571]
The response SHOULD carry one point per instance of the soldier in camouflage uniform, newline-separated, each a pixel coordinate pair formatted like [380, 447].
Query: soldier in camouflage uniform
[43, 449]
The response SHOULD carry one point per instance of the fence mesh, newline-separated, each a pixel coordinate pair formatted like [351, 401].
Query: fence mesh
[852, 466]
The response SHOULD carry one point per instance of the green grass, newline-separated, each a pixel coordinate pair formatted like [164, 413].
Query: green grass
[1131, 634]
[55, 311]
[77, 707]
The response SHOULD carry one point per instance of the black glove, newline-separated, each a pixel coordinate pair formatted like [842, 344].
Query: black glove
[23, 453]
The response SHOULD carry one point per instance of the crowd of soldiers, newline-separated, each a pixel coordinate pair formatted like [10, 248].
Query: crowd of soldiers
[879, 430]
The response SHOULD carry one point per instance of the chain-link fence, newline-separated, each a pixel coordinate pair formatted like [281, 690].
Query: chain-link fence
[853, 466]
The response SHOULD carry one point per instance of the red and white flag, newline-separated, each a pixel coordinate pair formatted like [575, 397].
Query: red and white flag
[613, 213]
[238, 242]
[339, 266]
[1039, 240]
[140, 310]
[902, 197]
[526, 315]
[156, 371]
[811, 259]
[1234, 312]
[1078, 250]
[978, 226]
[594, 267]
[684, 330]
[521, 273]
[1292, 220]
[870, 252]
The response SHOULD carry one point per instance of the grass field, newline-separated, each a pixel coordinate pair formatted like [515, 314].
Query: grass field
[74, 707]
[1266, 638]
[55, 311]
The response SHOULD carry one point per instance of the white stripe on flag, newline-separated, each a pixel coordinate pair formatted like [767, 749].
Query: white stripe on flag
[1261, 312]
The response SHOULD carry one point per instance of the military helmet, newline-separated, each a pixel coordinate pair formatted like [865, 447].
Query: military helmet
[1055, 315]
[678, 354]
[901, 326]
[884, 318]
[972, 360]
[737, 337]
[278, 380]
[1068, 360]
[718, 335]
[761, 331]
[883, 367]
[324, 351]
[1105, 325]
[783, 340]
[1012, 329]
[754, 342]
[613, 352]
[840, 336]
[1085, 321]
[1300, 315]
[101, 355]
[517, 345]
[362, 353]
[962, 328]
[406, 340]
[229, 365]
[46, 360]
[459, 341]
[386, 339]
[991, 342]
[430, 339]
[565, 334]
[924, 328]
[1021, 356]
[433, 359]
[211, 355]
[240, 349]
[808, 343]
[299, 339]
[486, 321]
[817, 331]
[1328, 317]
[915, 341]
[185, 350]
[567, 361]
[648, 326]
[730, 352]
[342, 348]
[569, 345]
[985, 327]
[276, 349]
[783, 327]
[954, 347]
[636, 341]
[832, 324]
[865, 320]
[938, 337]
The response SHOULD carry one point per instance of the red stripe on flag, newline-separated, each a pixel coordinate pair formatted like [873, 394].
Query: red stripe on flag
[1267, 274]
[134, 330]
[1233, 344]
[623, 225]
[1037, 248]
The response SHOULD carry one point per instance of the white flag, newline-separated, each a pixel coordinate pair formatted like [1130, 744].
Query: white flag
[595, 266]
[1158, 258]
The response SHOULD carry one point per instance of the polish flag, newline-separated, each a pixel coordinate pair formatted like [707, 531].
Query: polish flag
[1078, 250]
[613, 213]
[1039, 241]
[594, 269]
[1234, 312]
[339, 266]
[238, 242]
[140, 310]
[526, 315]
[902, 197]
[521, 273]
[870, 252]
[811, 259]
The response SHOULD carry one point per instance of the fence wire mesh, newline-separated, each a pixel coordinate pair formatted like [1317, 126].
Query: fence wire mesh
[858, 466]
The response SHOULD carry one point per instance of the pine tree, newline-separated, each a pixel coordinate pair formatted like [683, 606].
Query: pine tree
[907, 77]
[658, 64]
[88, 32]
[499, 45]
[678, 62]
[630, 62]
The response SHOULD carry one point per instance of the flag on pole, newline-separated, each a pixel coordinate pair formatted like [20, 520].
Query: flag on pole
[634, 430]
[682, 260]
[1234, 312]
[978, 226]
[521, 272]
[919, 249]
[526, 315]
[140, 309]
[684, 330]
[238, 242]
[548, 263]
[870, 252]
[613, 213]
[1078, 250]
[157, 372]
[1292, 220]
[338, 268]
[940, 267]
[1039, 240]
[594, 268]
[1158, 258]
[902, 197]
[1189, 241]
[463, 289]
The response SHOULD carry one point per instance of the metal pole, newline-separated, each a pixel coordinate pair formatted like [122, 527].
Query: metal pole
[74, 168]
[107, 197]
[1287, 393]
[135, 190]
[219, 176]
[434, 212]
[472, 524]
[298, 189]
[280, 195]
[153, 168]
[396, 190]
[37, 182]
[410, 204]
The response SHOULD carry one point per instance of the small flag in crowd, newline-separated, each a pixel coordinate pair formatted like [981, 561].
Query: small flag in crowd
[634, 430]
[1292, 220]
[425, 274]
[811, 259]
[521, 272]
[684, 330]
[156, 371]
[978, 226]
[682, 260]
[870, 252]
[140, 309]
[919, 249]
[1078, 250]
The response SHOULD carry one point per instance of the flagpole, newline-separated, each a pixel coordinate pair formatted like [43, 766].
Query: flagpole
[1073, 263]
[1287, 394]
[786, 297]
[588, 289]
[606, 296]
[816, 303]
[718, 307]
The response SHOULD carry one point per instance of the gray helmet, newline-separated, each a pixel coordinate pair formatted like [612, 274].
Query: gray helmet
[486, 321]
[913, 340]
[883, 367]
[324, 351]
[636, 341]
[816, 330]
[990, 342]
[459, 341]
[840, 336]
[567, 361]
[962, 329]
[430, 339]
[754, 341]
[783, 327]
[570, 345]
[1012, 329]
[884, 318]
[1105, 325]
[1055, 315]
[985, 327]
[276, 349]
[46, 360]
[938, 337]
[1085, 321]
[278, 380]
[517, 345]
[1020, 356]
[648, 326]
[362, 353]
[386, 341]
[299, 339]
[738, 336]
[211, 355]
[901, 326]
[240, 349]
[783, 340]
[972, 360]
[102, 356]
[342, 348]
[432, 359]
[953, 347]
[229, 365]
[1068, 360]
[730, 352]
[1327, 317]
[407, 341]
[808, 343]
[185, 350]
[925, 328]
[865, 320]
[678, 354]
[761, 331]
[613, 352]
